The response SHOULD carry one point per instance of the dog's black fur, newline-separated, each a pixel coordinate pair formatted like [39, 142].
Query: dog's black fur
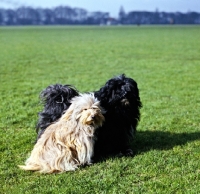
[120, 99]
[56, 99]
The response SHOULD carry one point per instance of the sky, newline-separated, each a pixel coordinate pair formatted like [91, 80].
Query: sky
[111, 6]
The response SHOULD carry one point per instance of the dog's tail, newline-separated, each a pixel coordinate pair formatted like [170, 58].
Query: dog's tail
[30, 167]
[55, 99]
[38, 168]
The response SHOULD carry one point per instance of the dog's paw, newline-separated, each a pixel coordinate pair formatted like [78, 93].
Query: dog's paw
[128, 152]
[91, 163]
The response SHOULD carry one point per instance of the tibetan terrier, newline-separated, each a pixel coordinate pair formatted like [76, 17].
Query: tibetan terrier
[120, 99]
[56, 99]
[68, 143]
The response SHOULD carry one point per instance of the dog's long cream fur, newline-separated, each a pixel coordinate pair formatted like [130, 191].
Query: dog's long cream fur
[68, 143]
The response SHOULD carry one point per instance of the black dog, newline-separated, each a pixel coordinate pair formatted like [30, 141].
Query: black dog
[120, 99]
[56, 99]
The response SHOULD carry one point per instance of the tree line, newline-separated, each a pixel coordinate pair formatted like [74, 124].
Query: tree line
[65, 15]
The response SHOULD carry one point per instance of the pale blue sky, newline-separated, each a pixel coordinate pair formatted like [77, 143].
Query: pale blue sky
[111, 6]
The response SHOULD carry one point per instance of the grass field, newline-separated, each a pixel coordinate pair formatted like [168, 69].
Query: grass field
[164, 60]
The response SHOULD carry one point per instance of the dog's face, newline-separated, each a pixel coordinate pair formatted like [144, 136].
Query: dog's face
[91, 115]
[121, 93]
[86, 109]
[118, 91]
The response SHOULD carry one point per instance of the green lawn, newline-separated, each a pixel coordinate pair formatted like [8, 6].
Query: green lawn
[164, 60]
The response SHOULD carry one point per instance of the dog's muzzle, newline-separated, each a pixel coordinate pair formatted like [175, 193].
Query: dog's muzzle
[91, 120]
[125, 102]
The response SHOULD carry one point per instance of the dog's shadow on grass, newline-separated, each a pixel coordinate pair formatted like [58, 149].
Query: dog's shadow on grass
[156, 140]
[159, 140]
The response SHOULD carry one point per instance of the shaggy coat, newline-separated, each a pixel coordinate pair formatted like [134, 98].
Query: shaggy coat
[68, 143]
[120, 98]
[55, 98]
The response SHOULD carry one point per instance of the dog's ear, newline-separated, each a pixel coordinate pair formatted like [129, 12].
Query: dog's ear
[68, 113]
[97, 104]
[78, 116]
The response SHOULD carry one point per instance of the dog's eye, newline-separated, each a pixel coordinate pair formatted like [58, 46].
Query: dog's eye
[85, 109]
[94, 107]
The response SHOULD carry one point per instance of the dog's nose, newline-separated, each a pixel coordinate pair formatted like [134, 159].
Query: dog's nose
[92, 116]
